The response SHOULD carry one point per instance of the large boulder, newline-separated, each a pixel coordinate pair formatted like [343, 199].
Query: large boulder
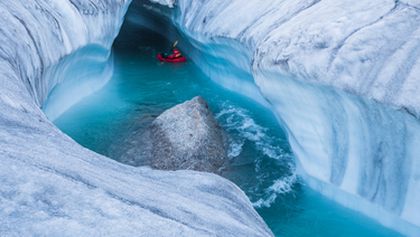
[186, 136]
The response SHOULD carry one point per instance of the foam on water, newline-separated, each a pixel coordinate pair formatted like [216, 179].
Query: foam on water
[280, 186]
[244, 130]
[238, 121]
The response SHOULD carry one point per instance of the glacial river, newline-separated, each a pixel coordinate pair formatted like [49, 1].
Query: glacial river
[261, 161]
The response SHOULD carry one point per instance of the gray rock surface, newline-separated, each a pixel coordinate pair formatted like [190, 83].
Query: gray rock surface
[185, 136]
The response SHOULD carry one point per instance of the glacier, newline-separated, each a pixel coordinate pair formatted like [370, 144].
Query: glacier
[343, 79]
[50, 185]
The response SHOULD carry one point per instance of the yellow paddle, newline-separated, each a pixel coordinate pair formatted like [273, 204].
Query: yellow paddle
[175, 44]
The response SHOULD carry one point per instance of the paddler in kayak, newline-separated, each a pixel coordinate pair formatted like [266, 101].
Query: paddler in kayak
[174, 57]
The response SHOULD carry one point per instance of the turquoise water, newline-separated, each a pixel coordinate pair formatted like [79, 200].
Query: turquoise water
[262, 163]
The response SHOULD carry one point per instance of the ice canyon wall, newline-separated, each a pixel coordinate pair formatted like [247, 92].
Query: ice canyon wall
[343, 78]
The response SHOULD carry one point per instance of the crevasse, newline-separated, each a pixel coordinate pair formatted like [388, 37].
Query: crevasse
[342, 76]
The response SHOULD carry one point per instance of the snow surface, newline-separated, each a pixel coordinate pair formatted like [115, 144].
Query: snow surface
[343, 78]
[51, 186]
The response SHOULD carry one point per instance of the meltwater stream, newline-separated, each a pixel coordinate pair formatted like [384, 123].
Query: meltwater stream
[262, 163]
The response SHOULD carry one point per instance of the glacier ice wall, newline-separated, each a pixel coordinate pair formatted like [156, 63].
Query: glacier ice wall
[342, 76]
[80, 74]
[51, 186]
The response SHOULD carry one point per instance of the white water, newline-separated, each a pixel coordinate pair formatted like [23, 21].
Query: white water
[242, 129]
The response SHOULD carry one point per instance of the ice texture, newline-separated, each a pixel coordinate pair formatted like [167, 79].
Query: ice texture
[341, 76]
[50, 185]
[169, 3]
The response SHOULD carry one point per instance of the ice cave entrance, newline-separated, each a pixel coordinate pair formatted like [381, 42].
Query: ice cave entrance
[141, 88]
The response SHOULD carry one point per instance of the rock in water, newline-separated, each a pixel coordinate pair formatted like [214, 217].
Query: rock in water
[187, 136]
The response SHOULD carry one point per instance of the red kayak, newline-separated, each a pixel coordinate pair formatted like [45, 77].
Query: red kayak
[170, 59]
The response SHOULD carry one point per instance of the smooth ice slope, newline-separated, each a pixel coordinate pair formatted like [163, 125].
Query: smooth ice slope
[343, 76]
[51, 186]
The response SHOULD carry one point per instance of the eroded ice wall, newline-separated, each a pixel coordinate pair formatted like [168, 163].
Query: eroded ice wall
[51, 186]
[343, 76]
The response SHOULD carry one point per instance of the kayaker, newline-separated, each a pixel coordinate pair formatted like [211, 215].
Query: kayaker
[175, 52]
[174, 56]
